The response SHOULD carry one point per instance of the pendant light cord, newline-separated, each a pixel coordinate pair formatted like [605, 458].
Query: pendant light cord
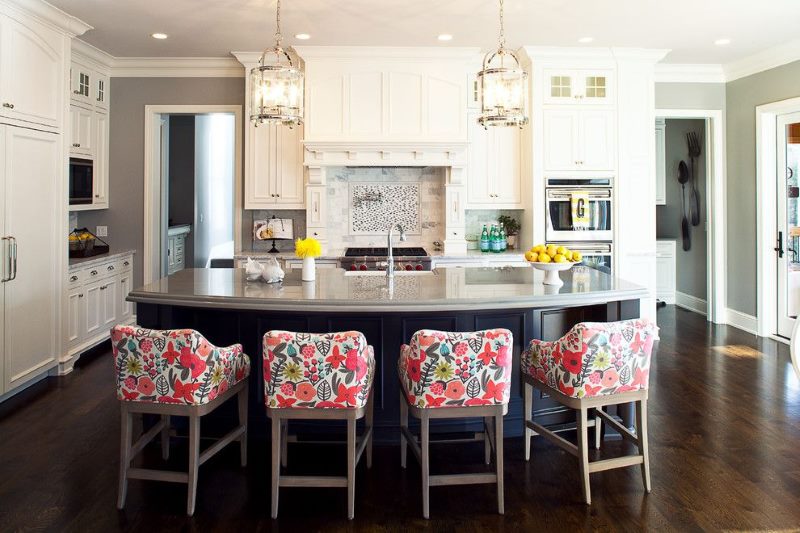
[502, 27]
[278, 36]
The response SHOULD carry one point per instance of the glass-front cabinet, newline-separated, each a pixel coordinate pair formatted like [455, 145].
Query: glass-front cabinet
[579, 86]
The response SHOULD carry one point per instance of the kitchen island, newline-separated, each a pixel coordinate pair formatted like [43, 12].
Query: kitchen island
[227, 308]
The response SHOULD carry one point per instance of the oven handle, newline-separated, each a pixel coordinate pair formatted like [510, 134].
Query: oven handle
[567, 195]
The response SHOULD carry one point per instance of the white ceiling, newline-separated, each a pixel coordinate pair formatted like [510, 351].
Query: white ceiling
[212, 28]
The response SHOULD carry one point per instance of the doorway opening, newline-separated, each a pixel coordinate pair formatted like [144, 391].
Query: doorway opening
[690, 211]
[192, 187]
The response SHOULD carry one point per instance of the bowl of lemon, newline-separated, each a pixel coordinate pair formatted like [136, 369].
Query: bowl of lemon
[552, 259]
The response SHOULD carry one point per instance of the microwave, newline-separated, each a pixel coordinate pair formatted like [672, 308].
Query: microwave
[81, 181]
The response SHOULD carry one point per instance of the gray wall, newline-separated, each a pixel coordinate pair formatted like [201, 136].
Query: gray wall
[181, 175]
[690, 96]
[742, 96]
[691, 264]
[124, 217]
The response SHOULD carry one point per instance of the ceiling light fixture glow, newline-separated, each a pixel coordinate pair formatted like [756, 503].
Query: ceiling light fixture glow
[585, 40]
[722, 42]
[160, 36]
[445, 37]
[302, 36]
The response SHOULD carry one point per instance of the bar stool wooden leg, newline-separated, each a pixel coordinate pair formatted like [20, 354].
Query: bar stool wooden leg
[284, 442]
[276, 463]
[583, 453]
[403, 424]
[425, 460]
[194, 461]
[528, 417]
[641, 434]
[370, 412]
[498, 452]
[487, 446]
[598, 429]
[165, 438]
[351, 467]
[242, 399]
[124, 455]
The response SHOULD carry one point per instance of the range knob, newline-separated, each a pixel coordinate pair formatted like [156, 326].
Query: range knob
[353, 267]
[363, 266]
[419, 267]
[409, 267]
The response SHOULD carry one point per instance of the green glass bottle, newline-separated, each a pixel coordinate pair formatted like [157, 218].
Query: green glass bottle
[485, 243]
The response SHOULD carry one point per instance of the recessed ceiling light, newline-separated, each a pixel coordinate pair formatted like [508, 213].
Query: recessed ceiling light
[159, 36]
[445, 37]
[722, 42]
[302, 36]
[585, 40]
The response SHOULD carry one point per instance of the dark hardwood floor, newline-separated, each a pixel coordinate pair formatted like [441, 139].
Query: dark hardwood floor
[724, 437]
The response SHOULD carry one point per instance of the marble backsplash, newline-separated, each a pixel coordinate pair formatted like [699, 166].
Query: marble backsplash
[476, 218]
[298, 217]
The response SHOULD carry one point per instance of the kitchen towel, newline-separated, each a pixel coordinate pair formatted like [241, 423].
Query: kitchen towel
[579, 202]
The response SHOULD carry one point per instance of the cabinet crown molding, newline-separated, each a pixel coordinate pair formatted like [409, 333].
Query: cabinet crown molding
[50, 14]
[386, 52]
[84, 52]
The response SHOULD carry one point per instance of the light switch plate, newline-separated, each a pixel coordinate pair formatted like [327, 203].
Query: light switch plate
[102, 231]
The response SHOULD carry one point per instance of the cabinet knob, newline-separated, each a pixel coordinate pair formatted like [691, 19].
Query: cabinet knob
[110, 267]
[77, 91]
[103, 287]
[93, 272]
[97, 196]
[80, 296]
[126, 263]
[76, 145]
[8, 105]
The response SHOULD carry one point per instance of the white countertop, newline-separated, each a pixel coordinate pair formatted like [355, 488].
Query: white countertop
[82, 262]
[438, 257]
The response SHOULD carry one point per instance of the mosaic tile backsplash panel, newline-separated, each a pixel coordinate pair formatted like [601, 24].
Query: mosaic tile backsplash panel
[376, 206]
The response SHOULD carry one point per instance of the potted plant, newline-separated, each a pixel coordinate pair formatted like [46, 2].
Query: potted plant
[308, 249]
[512, 228]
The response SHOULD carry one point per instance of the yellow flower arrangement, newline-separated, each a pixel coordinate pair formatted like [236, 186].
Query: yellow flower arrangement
[308, 247]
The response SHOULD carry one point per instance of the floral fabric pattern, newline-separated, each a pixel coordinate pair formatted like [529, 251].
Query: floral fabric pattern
[441, 369]
[317, 370]
[174, 366]
[594, 358]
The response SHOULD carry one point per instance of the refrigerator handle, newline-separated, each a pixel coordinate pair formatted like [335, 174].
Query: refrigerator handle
[6, 260]
[13, 258]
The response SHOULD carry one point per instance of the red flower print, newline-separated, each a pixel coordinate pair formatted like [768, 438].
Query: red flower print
[347, 395]
[130, 383]
[487, 354]
[557, 354]
[171, 354]
[189, 359]
[640, 378]
[168, 399]
[454, 390]
[476, 401]
[437, 388]
[460, 349]
[240, 373]
[273, 341]
[503, 356]
[572, 361]
[203, 349]
[287, 389]
[494, 391]
[308, 350]
[569, 391]
[146, 386]
[637, 344]
[285, 402]
[610, 378]
[591, 391]
[223, 386]
[432, 401]
[336, 358]
[130, 395]
[184, 391]
[267, 372]
[414, 371]
[146, 345]
[594, 377]
[305, 392]
[351, 361]
[213, 394]
[493, 334]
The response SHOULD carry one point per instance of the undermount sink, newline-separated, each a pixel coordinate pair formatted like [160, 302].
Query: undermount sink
[397, 273]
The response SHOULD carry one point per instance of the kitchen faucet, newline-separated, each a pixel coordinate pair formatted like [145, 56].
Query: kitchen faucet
[390, 258]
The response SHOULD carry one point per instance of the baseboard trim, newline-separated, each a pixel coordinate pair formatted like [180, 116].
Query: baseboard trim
[743, 321]
[692, 303]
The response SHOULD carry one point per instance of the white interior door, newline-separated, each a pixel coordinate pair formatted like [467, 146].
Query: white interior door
[788, 248]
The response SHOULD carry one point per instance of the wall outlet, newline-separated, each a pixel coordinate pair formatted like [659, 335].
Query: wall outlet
[102, 231]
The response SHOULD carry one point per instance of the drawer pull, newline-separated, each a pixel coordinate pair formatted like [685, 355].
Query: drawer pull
[80, 296]
[110, 268]
[126, 263]
[73, 278]
[103, 287]
[93, 272]
[8, 105]
[76, 145]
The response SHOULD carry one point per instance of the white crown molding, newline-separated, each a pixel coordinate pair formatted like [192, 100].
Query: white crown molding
[51, 15]
[386, 52]
[763, 60]
[177, 67]
[86, 53]
[689, 73]
[542, 53]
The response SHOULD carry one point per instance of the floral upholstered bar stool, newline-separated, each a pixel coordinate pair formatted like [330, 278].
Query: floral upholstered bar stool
[318, 376]
[175, 373]
[455, 375]
[594, 365]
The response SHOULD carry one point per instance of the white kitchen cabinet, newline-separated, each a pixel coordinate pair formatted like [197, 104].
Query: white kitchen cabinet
[96, 302]
[32, 72]
[31, 163]
[661, 162]
[578, 139]
[102, 87]
[82, 80]
[101, 160]
[578, 86]
[274, 178]
[176, 248]
[494, 167]
[666, 270]
[82, 128]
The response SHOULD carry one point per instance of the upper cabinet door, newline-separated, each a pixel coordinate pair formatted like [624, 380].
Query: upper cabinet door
[561, 139]
[82, 131]
[559, 86]
[597, 147]
[101, 91]
[579, 86]
[31, 69]
[274, 177]
[506, 154]
[597, 87]
[100, 182]
[289, 158]
[478, 176]
[82, 82]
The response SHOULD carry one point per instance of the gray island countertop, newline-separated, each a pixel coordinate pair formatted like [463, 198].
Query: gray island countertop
[443, 289]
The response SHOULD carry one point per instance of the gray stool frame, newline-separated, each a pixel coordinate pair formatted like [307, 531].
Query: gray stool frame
[355, 448]
[581, 451]
[492, 437]
[129, 450]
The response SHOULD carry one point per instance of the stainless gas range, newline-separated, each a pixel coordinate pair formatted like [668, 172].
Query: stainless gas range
[409, 258]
